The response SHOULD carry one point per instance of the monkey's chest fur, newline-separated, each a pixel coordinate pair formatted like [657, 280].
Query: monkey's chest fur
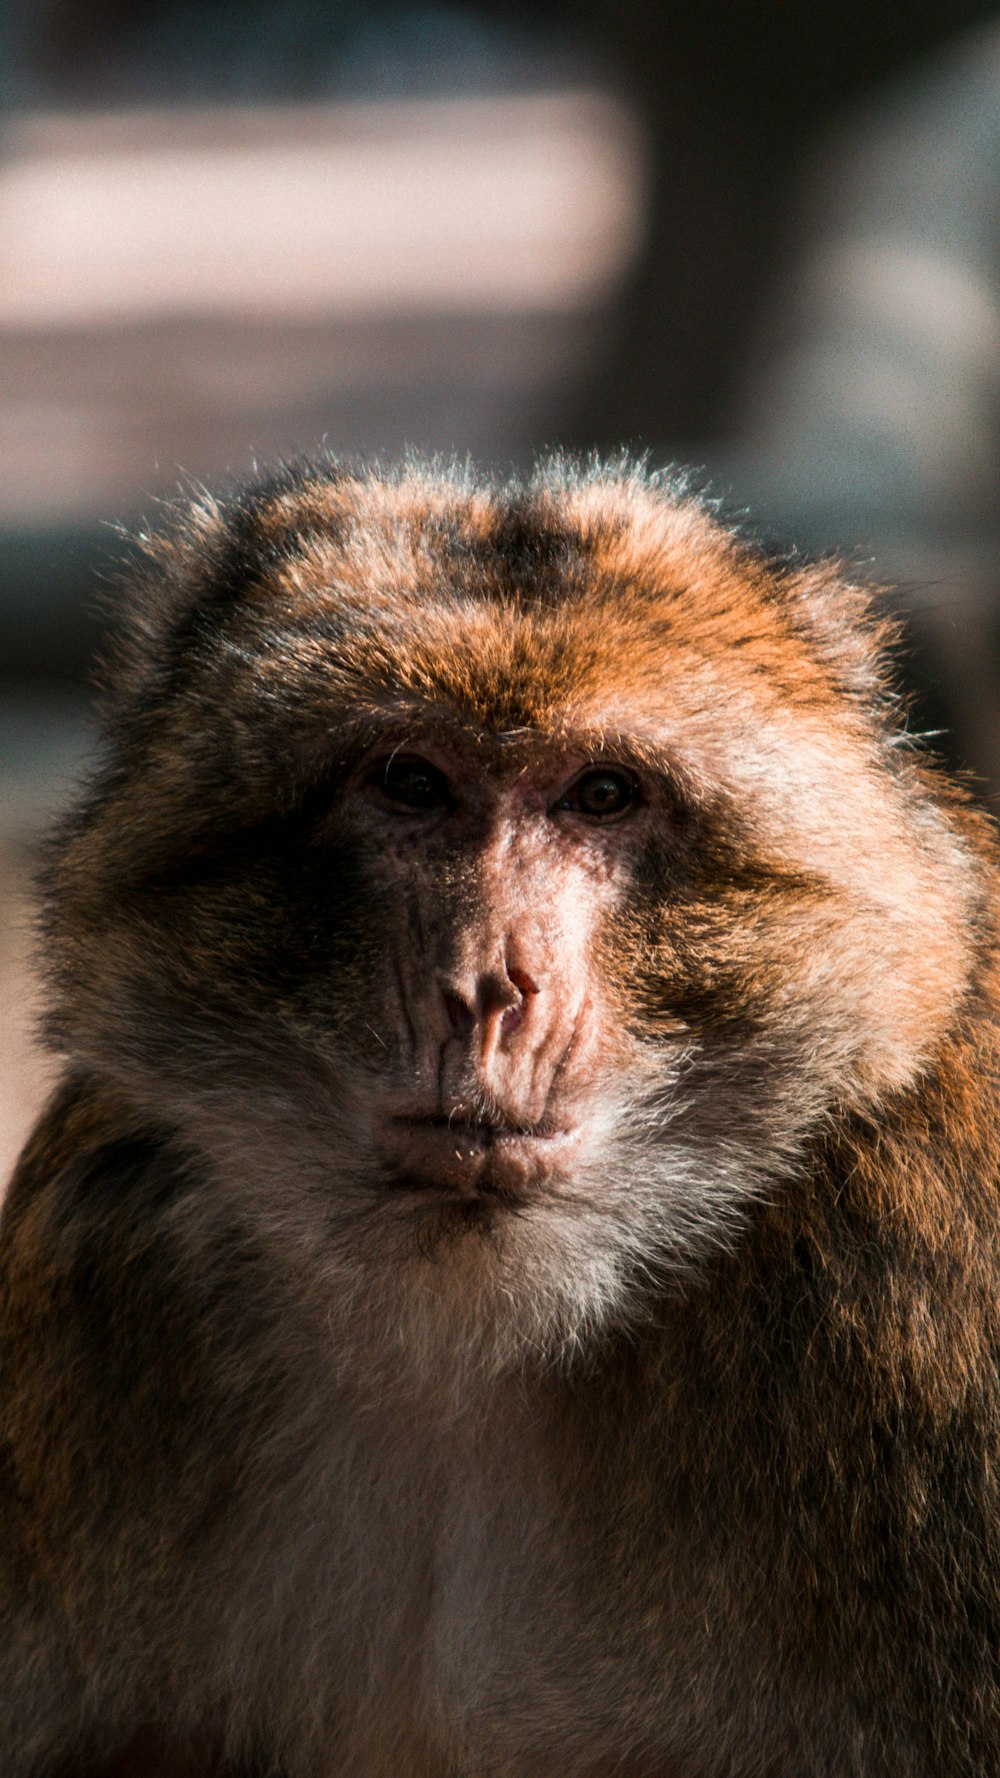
[380, 1570]
[438, 1589]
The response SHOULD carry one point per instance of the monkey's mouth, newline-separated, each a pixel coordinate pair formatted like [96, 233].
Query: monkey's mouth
[476, 1158]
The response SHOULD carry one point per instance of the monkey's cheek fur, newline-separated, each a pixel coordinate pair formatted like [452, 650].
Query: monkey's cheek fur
[436, 1159]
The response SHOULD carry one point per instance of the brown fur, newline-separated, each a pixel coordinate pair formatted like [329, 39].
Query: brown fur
[673, 1457]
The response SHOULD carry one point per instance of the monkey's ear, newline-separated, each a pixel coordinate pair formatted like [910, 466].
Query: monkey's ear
[183, 576]
[855, 641]
[156, 594]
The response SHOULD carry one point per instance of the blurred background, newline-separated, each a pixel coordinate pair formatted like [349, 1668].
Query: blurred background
[761, 240]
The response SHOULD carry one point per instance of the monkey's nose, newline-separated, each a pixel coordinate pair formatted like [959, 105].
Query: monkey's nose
[494, 1006]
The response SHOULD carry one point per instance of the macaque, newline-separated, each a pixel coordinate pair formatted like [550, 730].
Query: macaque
[509, 1283]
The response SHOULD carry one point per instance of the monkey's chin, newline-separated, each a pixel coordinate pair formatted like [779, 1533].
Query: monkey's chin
[439, 1161]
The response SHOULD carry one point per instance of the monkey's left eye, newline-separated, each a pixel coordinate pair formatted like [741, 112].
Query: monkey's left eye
[413, 783]
[601, 794]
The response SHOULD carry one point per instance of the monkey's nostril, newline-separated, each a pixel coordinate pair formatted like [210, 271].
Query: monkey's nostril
[460, 1017]
[522, 981]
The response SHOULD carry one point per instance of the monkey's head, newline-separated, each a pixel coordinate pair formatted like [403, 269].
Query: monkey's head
[498, 886]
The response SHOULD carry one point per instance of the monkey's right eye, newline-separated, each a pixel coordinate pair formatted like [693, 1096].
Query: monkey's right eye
[413, 783]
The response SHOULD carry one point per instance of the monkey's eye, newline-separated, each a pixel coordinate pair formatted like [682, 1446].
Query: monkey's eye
[413, 783]
[601, 794]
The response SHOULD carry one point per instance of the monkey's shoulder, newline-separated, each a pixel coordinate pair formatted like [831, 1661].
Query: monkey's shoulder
[111, 1231]
[135, 1325]
[89, 1161]
[80, 1245]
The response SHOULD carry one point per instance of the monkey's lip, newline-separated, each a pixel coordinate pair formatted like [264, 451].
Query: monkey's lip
[469, 1158]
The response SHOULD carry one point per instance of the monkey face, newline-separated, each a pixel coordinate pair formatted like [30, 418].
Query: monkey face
[518, 874]
[501, 863]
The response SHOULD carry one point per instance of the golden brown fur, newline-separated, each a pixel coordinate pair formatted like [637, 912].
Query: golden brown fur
[655, 1433]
